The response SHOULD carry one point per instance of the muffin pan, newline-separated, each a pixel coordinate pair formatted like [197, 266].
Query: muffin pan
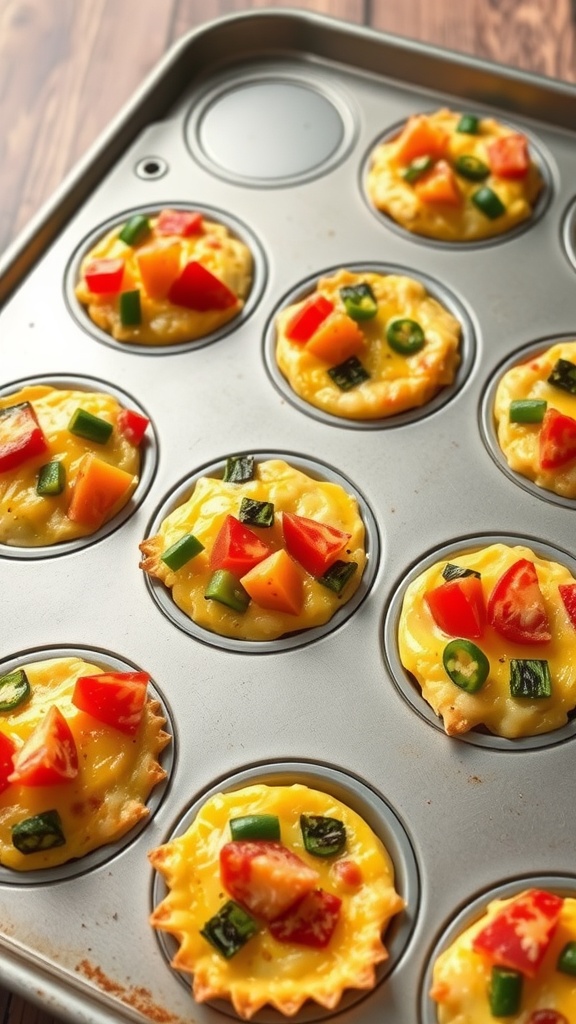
[268, 119]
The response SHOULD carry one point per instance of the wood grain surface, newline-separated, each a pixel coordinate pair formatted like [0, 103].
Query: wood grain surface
[68, 66]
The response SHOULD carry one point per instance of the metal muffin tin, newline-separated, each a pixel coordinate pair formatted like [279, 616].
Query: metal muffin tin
[475, 816]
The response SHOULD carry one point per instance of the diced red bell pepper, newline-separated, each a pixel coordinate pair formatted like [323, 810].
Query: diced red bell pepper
[520, 934]
[179, 222]
[457, 607]
[265, 877]
[347, 873]
[132, 425]
[315, 545]
[557, 440]
[308, 317]
[104, 277]
[237, 548]
[49, 755]
[516, 606]
[21, 436]
[568, 595]
[508, 156]
[311, 922]
[547, 1017]
[115, 698]
[199, 289]
[7, 751]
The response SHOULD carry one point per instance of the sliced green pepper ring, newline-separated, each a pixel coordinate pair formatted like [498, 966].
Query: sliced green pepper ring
[467, 666]
[405, 336]
[14, 689]
[471, 167]
[359, 301]
[415, 170]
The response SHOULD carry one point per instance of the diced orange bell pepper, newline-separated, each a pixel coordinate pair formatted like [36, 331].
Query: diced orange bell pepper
[337, 338]
[421, 137]
[276, 583]
[440, 185]
[97, 489]
[159, 266]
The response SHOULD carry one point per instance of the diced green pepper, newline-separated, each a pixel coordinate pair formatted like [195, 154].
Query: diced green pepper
[130, 308]
[567, 959]
[93, 428]
[256, 826]
[563, 376]
[135, 229]
[337, 575]
[530, 677]
[182, 551]
[51, 479]
[230, 929]
[451, 571]
[417, 168]
[471, 168]
[527, 410]
[224, 587]
[349, 374]
[322, 836]
[14, 689]
[256, 513]
[505, 992]
[468, 124]
[467, 666]
[359, 301]
[486, 200]
[41, 832]
[405, 336]
[239, 469]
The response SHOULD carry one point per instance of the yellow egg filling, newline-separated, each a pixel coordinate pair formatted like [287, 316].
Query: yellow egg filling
[421, 644]
[267, 971]
[117, 772]
[459, 219]
[202, 515]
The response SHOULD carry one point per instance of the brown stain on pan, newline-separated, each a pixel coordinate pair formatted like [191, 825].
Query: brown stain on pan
[136, 996]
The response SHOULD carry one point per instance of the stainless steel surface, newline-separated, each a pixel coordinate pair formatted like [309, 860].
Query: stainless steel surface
[476, 816]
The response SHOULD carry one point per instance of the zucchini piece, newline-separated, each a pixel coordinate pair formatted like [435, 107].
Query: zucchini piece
[322, 836]
[563, 376]
[527, 410]
[349, 374]
[239, 469]
[51, 479]
[337, 575]
[184, 550]
[230, 929]
[451, 571]
[130, 308]
[93, 428]
[530, 677]
[256, 513]
[41, 832]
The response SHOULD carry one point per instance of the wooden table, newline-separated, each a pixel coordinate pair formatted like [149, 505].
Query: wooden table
[68, 66]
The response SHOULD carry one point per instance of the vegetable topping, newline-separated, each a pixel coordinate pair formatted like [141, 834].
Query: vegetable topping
[256, 826]
[466, 665]
[349, 374]
[563, 376]
[530, 677]
[239, 469]
[224, 587]
[516, 606]
[21, 436]
[256, 513]
[311, 922]
[198, 288]
[135, 229]
[115, 698]
[490, 204]
[471, 167]
[182, 551]
[230, 929]
[14, 689]
[520, 933]
[49, 755]
[51, 479]
[322, 836]
[505, 992]
[527, 410]
[41, 832]
[308, 318]
[93, 428]
[359, 301]
[265, 877]
[557, 440]
[457, 607]
[405, 336]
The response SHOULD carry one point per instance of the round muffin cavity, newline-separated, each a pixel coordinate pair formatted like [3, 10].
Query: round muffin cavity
[490, 638]
[367, 345]
[79, 758]
[69, 462]
[165, 278]
[263, 551]
[535, 416]
[516, 962]
[313, 922]
[455, 177]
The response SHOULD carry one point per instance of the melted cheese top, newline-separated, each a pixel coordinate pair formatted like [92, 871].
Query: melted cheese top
[390, 192]
[421, 644]
[164, 323]
[30, 520]
[396, 382]
[117, 772]
[461, 977]
[212, 500]
[520, 441]
[265, 971]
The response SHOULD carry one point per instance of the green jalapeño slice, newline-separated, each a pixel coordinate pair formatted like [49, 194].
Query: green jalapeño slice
[466, 665]
[405, 336]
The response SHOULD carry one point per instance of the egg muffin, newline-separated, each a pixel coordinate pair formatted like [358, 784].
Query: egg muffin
[490, 638]
[535, 416]
[69, 462]
[276, 895]
[164, 279]
[262, 551]
[517, 962]
[366, 345]
[455, 177]
[79, 748]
